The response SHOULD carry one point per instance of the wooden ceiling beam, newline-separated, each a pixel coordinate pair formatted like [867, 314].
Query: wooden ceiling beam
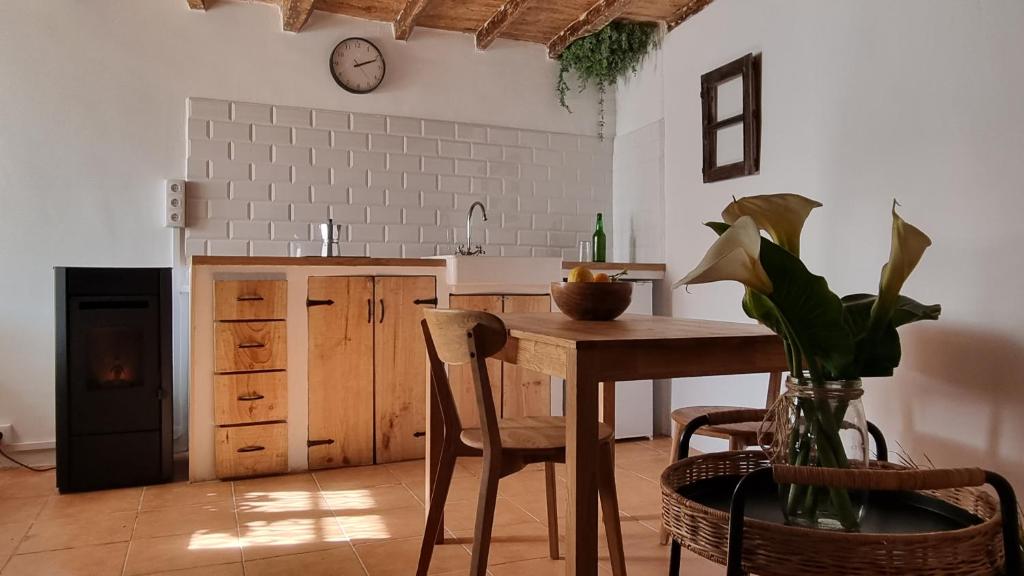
[197, 4]
[406, 20]
[498, 21]
[295, 14]
[595, 18]
[687, 11]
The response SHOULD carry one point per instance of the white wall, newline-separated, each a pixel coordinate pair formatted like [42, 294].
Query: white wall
[865, 101]
[92, 119]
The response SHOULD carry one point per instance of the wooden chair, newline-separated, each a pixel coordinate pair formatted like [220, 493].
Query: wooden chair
[456, 337]
[740, 435]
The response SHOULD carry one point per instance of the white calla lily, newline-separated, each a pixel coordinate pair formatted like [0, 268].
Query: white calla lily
[908, 245]
[782, 216]
[734, 256]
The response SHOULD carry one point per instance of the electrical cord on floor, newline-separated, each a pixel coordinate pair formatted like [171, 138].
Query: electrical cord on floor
[22, 464]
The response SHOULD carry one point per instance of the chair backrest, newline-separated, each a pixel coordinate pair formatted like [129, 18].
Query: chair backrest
[774, 388]
[457, 337]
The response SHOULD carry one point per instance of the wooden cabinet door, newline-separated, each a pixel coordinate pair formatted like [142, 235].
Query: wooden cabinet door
[340, 371]
[525, 392]
[400, 366]
[461, 378]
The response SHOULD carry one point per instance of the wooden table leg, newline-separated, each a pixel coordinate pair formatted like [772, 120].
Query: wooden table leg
[607, 407]
[435, 440]
[581, 412]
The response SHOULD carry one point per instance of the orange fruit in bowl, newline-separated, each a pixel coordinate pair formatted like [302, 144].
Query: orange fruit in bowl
[581, 274]
[602, 277]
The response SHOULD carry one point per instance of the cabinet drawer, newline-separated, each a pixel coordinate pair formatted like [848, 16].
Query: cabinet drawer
[252, 450]
[248, 346]
[250, 398]
[250, 300]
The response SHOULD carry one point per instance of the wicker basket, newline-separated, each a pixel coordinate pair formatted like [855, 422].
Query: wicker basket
[774, 549]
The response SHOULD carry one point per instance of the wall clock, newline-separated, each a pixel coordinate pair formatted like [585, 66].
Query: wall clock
[357, 65]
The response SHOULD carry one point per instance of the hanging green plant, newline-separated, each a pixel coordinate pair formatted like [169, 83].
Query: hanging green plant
[603, 57]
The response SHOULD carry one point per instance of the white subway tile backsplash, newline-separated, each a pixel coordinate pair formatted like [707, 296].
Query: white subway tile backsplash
[312, 137]
[261, 177]
[289, 116]
[230, 131]
[369, 123]
[331, 120]
[252, 113]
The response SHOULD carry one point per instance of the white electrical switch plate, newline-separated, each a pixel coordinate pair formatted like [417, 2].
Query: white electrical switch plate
[174, 202]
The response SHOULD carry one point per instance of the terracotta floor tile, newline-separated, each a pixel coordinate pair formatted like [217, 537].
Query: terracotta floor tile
[355, 477]
[399, 558]
[78, 531]
[102, 560]
[185, 494]
[340, 561]
[168, 553]
[217, 517]
[513, 542]
[367, 526]
[631, 450]
[462, 515]
[10, 537]
[20, 509]
[260, 487]
[269, 535]
[91, 504]
[20, 483]
[233, 569]
[538, 567]
[346, 502]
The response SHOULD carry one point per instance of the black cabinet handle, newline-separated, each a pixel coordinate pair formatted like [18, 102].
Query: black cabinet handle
[418, 434]
[369, 310]
[311, 303]
[419, 301]
[250, 397]
[250, 298]
[252, 345]
[381, 310]
[327, 442]
[245, 449]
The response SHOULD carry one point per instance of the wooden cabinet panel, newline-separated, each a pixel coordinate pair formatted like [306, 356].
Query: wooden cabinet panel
[460, 377]
[250, 398]
[400, 366]
[256, 450]
[247, 346]
[250, 300]
[341, 371]
[525, 392]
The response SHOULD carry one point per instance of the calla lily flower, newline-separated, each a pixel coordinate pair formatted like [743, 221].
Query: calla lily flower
[782, 216]
[734, 256]
[908, 245]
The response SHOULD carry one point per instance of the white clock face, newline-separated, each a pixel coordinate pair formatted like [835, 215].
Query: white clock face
[357, 65]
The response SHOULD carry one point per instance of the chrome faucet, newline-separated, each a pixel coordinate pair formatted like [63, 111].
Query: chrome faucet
[468, 249]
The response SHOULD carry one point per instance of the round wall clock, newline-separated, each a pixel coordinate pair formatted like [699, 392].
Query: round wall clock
[357, 65]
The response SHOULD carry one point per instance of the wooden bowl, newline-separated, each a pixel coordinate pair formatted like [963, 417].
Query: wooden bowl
[592, 300]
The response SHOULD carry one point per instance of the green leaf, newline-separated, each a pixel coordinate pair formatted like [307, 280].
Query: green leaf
[808, 310]
[857, 308]
[879, 355]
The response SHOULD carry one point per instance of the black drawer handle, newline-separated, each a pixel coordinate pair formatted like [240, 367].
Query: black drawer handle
[250, 298]
[327, 442]
[245, 449]
[252, 345]
[418, 434]
[250, 397]
[431, 301]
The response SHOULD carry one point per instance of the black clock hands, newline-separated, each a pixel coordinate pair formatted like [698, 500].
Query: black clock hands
[360, 64]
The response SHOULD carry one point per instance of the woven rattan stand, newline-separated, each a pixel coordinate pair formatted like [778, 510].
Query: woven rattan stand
[960, 529]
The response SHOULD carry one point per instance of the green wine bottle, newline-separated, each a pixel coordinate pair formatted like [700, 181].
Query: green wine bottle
[599, 240]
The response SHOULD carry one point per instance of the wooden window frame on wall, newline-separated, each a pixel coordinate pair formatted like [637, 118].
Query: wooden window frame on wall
[748, 69]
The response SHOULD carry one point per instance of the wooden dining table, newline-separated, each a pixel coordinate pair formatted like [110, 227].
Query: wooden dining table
[591, 357]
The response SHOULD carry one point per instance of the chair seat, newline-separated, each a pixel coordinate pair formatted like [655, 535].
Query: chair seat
[531, 433]
[746, 430]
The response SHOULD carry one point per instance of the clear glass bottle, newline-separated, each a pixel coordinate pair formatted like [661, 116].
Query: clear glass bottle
[825, 426]
[600, 242]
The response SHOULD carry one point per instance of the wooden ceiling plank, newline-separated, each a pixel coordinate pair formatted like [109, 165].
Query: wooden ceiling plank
[295, 14]
[197, 4]
[595, 18]
[406, 20]
[687, 11]
[498, 21]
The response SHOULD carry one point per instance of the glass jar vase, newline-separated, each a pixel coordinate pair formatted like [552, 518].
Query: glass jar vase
[824, 426]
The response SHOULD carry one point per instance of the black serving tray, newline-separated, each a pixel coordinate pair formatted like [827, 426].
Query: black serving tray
[885, 512]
